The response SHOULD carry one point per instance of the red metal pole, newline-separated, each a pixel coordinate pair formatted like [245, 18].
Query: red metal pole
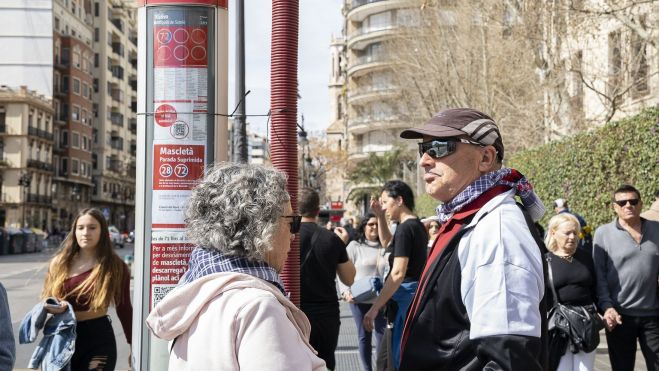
[283, 111]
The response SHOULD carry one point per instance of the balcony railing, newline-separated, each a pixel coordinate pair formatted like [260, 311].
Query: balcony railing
[358, 3]
[117, 95]
[116, 165]
[117, 23]
[379, 118]
[133, 125]
[365, 30]
[117, 143]
[366, 89]
[117, 119]
[118, 72]
[40, 165]
[118, 49]
[39, 133]
[39, 199]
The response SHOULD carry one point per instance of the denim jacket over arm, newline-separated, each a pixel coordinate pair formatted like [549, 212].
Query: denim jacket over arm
[7, 343]
[59, 334]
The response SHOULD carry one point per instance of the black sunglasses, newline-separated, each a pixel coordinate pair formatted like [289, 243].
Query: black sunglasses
[296, 221]
[632, 201]
[441, 148]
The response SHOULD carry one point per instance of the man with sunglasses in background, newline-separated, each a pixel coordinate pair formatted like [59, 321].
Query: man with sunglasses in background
[626, 255]
[323, 257]
[480, 301]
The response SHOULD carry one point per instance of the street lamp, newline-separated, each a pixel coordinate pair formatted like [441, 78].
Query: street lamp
[304, 143]
[25, 181]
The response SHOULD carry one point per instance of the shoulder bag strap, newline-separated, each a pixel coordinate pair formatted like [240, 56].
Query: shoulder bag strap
[551, 279]
[314, 239]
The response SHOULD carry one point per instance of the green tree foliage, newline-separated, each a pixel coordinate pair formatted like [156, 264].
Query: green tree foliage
[587, 168]
[425, 205]
[370, 174]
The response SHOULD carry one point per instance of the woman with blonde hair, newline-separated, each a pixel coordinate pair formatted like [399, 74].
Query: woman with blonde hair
[572, 275]
[88, 274]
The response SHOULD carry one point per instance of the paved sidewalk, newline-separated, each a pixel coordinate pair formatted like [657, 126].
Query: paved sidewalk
[347, 352]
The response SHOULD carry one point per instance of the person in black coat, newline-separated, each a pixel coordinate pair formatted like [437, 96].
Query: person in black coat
[573, 277]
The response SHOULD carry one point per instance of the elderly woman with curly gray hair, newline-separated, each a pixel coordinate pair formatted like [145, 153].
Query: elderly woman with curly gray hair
[230, 310]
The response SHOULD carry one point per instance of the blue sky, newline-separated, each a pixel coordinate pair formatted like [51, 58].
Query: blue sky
[319, 20]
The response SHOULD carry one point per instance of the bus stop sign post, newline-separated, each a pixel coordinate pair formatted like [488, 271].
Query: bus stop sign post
[182, 84]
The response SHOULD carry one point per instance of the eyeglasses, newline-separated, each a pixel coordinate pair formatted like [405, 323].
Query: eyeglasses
[441, 148]
[372, 224]
[632, 201]
[295, 222]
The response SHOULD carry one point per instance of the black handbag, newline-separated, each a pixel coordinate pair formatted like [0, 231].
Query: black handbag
[366, 289]
[580, 324]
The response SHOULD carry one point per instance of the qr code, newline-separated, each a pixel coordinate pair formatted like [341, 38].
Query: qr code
[159, 292]
[179, 130]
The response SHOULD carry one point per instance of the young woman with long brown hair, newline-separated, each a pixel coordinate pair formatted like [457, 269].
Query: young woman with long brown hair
[88, 274]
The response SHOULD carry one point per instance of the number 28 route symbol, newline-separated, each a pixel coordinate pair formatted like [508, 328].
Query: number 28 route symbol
[166, 170]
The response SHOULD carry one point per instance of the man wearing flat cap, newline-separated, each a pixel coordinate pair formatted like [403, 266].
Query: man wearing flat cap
[480, 302]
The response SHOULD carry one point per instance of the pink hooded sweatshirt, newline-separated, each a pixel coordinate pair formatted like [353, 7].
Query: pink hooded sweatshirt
[233, 321]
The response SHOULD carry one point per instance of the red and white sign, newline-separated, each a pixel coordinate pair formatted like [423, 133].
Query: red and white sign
[180, 46]
[177, 166]
[169, 261]
[165, 115]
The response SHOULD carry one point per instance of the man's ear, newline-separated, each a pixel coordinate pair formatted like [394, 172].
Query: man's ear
[488, 159]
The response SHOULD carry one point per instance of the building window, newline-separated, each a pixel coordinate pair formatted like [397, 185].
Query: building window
[615, 63]
[64, 139]
[83, 117]
[76, 86]
[96, 62]
[75, 165]
[65, 84]
[96, 10]
[75, 113]
[64, 168]
[56, 82]
[639, 63]
[64, 59]
[85, 90]
[97, 34]
[94, 161]
[75, 58]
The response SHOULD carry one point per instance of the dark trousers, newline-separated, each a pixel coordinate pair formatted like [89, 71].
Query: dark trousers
[325, 336]
[622, 343]
[96, 348]
[365, 337]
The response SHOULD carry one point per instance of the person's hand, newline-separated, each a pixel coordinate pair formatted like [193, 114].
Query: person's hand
[612, 319]
[376, 207]
[347, 296]
[342, 233]
[369, 319]
[54, 309]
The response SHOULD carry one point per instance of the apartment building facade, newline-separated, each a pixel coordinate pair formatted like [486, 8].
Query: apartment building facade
[115, 106]
[612, 64]
[26, 149]
[73, 59]
[366, 113]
